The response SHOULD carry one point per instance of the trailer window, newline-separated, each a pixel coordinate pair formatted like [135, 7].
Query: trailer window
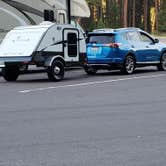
[72, 44]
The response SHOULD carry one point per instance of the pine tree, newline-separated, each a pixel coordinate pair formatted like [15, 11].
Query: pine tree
[162, 17]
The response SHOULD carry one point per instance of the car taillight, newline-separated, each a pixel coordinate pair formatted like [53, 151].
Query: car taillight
[113, 45]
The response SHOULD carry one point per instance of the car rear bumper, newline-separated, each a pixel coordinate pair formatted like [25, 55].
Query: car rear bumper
[104, 60]
[109, 66]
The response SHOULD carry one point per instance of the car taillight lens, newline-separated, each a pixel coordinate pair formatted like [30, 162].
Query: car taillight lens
[113, 45]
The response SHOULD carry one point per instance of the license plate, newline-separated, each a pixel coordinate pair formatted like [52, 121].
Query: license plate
[95, 49]
[2, 64]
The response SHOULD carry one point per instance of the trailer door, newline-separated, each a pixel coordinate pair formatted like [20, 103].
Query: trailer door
[71, 49]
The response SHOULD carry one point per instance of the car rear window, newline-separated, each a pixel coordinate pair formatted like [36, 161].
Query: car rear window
[101, 38]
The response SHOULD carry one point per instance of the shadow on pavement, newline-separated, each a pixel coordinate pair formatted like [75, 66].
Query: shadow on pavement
[80, 75]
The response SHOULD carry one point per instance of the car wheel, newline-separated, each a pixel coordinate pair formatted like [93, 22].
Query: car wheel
[129, 65]
[90, 70]
[10, 73]
[162, 65]
[56, 71]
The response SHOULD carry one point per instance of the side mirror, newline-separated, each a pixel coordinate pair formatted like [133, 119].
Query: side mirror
[156, 40]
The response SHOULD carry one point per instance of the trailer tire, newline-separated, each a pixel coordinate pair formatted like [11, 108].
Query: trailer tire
[10, 73]
[56, 71]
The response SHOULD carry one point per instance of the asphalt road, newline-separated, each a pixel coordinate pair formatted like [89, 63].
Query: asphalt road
[104, 120]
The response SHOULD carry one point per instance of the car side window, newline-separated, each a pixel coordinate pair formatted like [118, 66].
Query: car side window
[133, 36]
[124, 36]
[146, 38]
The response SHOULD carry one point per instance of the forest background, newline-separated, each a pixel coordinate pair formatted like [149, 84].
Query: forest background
[149, 15]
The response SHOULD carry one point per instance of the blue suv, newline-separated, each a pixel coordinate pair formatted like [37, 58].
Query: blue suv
[124, 49]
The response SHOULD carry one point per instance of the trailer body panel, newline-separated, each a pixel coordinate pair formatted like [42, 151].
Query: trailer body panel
[22, 42]
[49, 45]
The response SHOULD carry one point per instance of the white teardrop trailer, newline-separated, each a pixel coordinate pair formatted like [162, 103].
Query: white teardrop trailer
[49, 45]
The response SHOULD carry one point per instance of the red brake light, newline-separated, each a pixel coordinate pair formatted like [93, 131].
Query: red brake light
[116, 45]
[113, 45]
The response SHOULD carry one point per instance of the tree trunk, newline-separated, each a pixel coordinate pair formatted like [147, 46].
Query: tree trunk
[108, 13]
[121, 11]
[157, 9]
[125, 11]
[134, 11]
[145, 15]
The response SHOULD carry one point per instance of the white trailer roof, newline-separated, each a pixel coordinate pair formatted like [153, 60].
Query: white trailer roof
[22, 41]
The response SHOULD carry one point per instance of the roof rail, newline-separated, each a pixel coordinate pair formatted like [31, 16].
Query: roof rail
[109, 30]
[104, 30]
[127, 28]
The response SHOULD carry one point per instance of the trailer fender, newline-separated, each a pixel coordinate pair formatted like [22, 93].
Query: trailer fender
[49, 60]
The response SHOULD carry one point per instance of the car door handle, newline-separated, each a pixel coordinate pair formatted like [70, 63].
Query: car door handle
[147, 46]
[132, 46]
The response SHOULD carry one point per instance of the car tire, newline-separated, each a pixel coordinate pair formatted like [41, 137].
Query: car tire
[128, 65]
[56, 71]
[90, 70]
[162, 65]
[10, 73]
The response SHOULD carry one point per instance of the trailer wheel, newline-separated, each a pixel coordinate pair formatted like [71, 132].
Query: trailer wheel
[10, 73]
[56, 71]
